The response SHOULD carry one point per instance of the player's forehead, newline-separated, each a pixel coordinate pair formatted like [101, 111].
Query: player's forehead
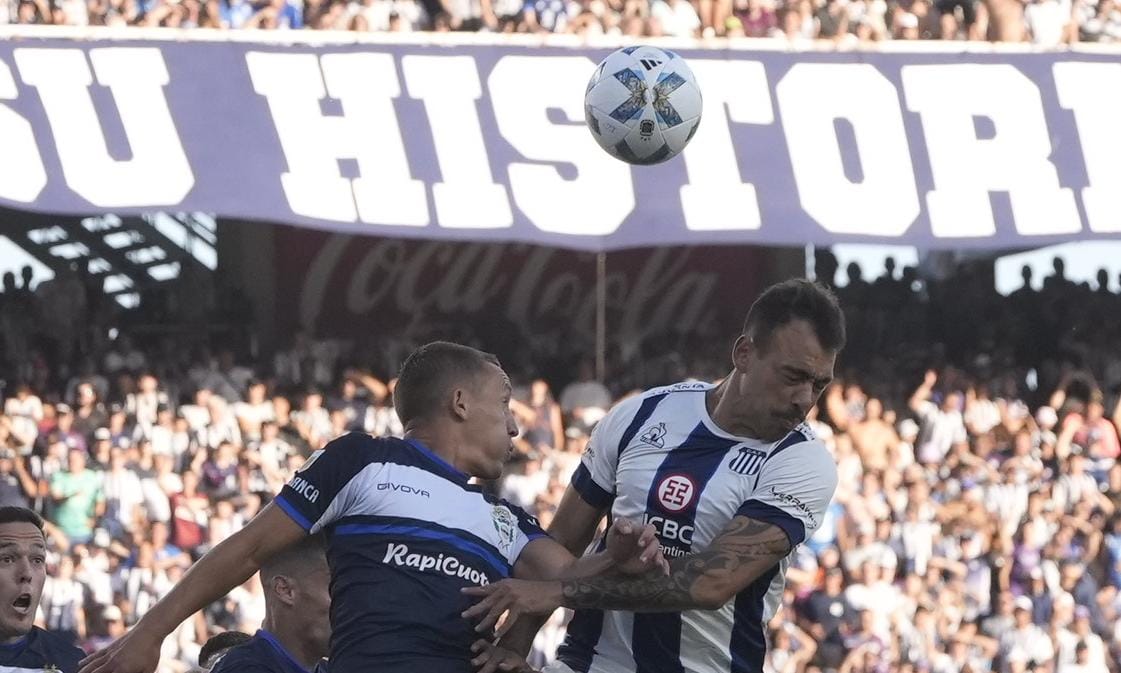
[496, 378]
[21, 535]
[796, 345]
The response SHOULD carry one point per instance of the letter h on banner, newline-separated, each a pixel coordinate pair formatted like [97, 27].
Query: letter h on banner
[367, 131]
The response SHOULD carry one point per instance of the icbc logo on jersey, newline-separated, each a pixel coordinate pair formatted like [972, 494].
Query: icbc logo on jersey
[676, 492]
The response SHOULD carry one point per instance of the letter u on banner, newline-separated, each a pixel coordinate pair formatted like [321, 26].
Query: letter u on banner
[158, 173]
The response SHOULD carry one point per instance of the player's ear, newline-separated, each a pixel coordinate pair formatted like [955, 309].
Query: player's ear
[284, 589]
[460, 403]
[743, 351]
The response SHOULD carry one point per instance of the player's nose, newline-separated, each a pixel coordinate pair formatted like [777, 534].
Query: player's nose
[803, 399]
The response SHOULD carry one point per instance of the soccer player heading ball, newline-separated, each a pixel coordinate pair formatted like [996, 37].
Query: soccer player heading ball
[732, 479]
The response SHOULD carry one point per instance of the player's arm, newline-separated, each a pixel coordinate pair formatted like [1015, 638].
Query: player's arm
[788, 505]
[706, 580]
[315, 497]
[228, 565]
[573, 528]
[631, 548]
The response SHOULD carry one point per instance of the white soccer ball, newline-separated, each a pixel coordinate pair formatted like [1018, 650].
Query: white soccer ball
[643, 105]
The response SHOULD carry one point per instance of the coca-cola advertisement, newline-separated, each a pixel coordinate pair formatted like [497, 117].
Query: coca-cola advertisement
[354, 285]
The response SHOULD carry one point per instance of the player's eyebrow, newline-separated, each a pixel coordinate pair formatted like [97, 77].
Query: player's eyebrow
[37, 543]
[819, 381]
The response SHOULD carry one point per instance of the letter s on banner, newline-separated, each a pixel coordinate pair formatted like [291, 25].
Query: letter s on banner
[522, 89]
[158, 173]
[22, 175]
[811, 97]
[966, 169]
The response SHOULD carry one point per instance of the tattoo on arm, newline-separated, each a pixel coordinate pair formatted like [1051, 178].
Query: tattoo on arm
[746, 548]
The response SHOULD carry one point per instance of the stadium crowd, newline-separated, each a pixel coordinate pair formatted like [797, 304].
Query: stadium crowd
[976, 526]
[799, 23]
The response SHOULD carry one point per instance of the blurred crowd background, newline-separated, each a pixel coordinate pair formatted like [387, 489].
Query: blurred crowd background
[798, 23]
[976, 526]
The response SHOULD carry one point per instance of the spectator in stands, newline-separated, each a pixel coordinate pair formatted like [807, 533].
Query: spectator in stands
[585, 400]
[78, 497]
[942, 425]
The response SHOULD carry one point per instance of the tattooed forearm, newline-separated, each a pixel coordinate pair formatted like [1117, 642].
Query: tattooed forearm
[744, 551]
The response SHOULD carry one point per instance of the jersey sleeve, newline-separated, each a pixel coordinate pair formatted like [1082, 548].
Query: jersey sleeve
[528, 530]
[794, 489]
[594, 479]
[320, 493]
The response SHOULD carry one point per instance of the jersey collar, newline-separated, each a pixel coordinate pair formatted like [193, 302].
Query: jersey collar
[461, 477]
[271, 640]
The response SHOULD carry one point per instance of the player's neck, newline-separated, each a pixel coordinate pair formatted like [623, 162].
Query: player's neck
[439, 441]
[296, 642]
[721, 404]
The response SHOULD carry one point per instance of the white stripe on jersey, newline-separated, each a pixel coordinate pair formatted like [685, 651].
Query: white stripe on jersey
[407, 491]
[661, 458]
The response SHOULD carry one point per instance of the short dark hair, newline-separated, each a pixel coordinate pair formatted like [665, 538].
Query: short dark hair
[218, 645]
[429, 374]
[20, 515]
[294, 561]
[796, 299]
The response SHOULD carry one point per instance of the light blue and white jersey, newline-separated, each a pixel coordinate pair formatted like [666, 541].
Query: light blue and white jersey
[660, 457]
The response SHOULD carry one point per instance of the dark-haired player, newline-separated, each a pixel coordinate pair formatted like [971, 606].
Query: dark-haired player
[24, 647]
[407, 530]
[733, 480]
[297, 629]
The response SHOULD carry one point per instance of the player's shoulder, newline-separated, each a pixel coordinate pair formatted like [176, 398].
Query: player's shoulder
[682, 387]
[252, 656]
[802, 446]
[649, 401]
[359, 448]
[55, 650]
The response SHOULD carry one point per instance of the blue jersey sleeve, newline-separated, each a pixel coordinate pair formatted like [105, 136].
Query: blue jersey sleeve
[527, 523]
[321, 491]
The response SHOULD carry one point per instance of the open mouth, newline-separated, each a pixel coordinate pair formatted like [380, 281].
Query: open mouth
[22, 603]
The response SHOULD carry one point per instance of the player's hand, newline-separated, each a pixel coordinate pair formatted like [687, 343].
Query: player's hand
[513, 598]
[634, 549]
[931, 378]
[492, 658]
[135, 652]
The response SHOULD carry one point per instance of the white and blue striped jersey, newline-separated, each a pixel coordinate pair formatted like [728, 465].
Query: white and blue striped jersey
[405, 532]
[659, 456]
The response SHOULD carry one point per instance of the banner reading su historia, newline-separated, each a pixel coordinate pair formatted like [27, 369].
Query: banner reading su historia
[355, 286]
[487, 143]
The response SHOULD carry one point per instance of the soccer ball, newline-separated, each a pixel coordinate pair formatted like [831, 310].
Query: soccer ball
[643, 105]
